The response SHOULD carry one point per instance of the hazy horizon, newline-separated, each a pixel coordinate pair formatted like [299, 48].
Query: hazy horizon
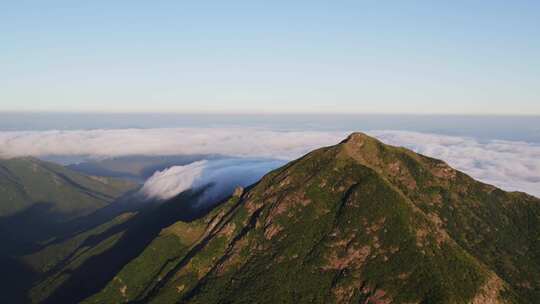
[483, 127]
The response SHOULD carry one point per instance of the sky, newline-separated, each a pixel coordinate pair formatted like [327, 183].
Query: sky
[450, 57]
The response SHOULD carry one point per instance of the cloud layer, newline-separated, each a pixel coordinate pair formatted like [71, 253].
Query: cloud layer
[221, 176]
[242, 142]
[511, 165]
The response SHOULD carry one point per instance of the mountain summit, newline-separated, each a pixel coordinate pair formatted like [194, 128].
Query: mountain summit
[358, 222]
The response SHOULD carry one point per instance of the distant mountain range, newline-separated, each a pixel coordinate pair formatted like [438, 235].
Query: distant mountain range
[135, 167]
[358, 222]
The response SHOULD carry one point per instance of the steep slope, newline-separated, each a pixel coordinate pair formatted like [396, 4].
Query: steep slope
[79, 266]
[40, 201]
[28, 182]
[359, 222]
[37, 198]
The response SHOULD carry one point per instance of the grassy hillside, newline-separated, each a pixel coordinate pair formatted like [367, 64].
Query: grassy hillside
[27, 182]
[80, 266]
[40, 202]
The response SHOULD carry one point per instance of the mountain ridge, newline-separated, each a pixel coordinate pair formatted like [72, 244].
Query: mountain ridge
[358, 221]
[41, 202]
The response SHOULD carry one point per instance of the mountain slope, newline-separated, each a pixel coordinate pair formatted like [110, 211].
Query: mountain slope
[359, 222]
[41, 201]
[81, 265]
[26, 182]
[38, 198]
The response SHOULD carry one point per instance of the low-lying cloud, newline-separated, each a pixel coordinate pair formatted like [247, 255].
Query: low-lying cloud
[511, 165]
[240, 142]
[218, 177]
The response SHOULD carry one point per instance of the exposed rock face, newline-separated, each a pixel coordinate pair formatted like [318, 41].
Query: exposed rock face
[238, 191]
[359, 222]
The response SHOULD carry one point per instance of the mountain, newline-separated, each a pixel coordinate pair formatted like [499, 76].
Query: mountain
[38, 196]
[39, 202]
[28, 182]
[358, 222]
[76, 267]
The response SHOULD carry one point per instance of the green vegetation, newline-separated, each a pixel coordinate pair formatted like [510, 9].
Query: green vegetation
[28, 182]
[42, 210]
[56, 253]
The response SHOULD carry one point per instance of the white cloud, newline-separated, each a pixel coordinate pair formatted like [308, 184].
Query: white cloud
[221, 176]
[510, 165]
[243, 142]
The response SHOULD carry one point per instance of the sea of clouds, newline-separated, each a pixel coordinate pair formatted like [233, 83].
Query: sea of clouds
[241, 142]
[249, 153]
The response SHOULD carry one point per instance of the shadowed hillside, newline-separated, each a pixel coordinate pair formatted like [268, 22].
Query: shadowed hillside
[41, 202]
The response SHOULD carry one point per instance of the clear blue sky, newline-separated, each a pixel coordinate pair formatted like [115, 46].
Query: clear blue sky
[474, 57]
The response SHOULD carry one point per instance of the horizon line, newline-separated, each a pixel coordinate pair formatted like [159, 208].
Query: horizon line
[268, 113]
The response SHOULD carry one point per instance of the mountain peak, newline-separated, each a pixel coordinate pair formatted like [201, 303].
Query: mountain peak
[358, 138]
[364, 149]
